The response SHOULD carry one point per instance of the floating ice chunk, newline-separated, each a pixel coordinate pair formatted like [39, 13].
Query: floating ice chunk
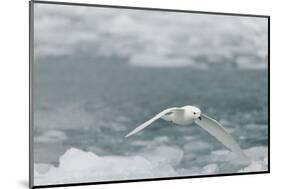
[162, 139]
[41, 168]
[79, 166]
[51, 136]
[157, 60]
[197, 146]
[246, 63]
[257, 153]
[76, 166]
[210, 169]
[170, 155]
[142, 143]
[256, 166]
[158, 141]
[206, 170]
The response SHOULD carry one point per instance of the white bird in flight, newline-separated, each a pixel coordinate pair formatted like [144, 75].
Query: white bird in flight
[186, 115]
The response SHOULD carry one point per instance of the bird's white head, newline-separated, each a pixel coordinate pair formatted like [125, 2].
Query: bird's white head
[192, 111]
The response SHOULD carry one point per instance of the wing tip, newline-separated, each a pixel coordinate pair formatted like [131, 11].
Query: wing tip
[129, 134]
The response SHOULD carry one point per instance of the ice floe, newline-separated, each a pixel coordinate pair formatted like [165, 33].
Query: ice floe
[76, 166]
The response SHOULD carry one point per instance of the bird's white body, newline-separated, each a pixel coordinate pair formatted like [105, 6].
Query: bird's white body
[184, 116]
[187, 115]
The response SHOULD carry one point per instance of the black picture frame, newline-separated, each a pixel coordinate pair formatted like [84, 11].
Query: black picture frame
[31, 42]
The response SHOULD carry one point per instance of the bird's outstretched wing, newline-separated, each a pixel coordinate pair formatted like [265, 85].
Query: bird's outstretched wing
[216, 129]
[147, 123]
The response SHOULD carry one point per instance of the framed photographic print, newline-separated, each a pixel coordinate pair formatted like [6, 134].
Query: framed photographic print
[125, 94]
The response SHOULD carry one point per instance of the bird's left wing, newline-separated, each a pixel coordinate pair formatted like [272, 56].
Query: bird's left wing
[147, 123]
[216, 129]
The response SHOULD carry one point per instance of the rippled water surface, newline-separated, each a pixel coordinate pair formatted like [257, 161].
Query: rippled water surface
[94, 107]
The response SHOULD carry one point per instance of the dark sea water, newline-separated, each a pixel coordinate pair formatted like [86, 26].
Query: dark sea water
[91, 106]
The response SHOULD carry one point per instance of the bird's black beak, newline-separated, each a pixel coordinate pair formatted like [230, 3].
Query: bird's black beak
[200, 118]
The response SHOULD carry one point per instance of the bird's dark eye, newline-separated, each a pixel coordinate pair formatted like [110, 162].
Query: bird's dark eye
[194, 113]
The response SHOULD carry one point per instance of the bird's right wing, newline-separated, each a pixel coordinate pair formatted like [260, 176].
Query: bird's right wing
[147, 123]
[216, 129]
